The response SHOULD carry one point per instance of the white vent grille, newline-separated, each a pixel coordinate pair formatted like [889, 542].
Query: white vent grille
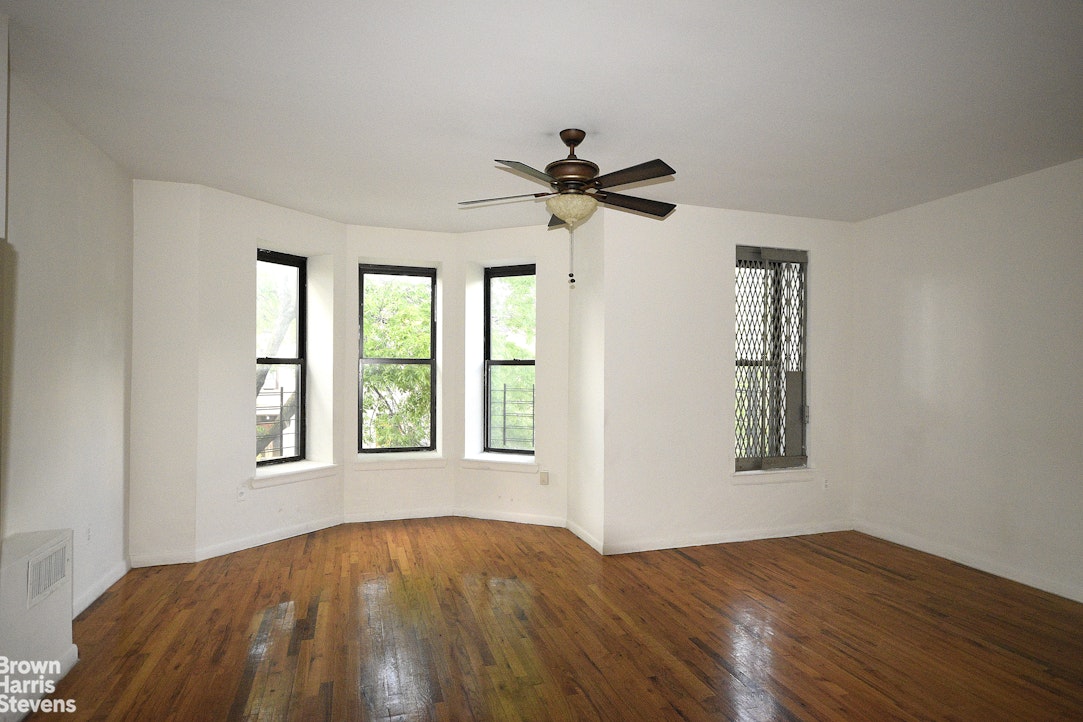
[48, 570]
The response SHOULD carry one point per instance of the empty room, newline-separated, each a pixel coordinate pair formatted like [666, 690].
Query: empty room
[705, 360]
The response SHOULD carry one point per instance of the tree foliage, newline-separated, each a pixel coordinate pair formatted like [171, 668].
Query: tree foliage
[512, 317]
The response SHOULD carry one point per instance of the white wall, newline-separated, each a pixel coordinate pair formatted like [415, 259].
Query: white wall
[969, 377]
[193, 488]
[586, 389]
[162, 512]
[67, 341]
[669, 395]
[458, 478]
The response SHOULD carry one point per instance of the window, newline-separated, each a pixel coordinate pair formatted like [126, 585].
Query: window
[397, 369]
[509, 359]
[770, 368]
[280, 357]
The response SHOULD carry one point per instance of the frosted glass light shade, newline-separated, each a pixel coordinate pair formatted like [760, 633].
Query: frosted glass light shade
[571, 207]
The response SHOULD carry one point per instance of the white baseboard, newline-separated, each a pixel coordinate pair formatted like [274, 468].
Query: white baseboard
[724, 537]
[157, 559]
[95, 590]
[971, 559]
[235, 545]
[232, 545]
[360, 517]
[585, 536]
[68, 659]
[536, 519]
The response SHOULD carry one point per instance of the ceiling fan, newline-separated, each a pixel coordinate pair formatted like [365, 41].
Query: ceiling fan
[577, 188]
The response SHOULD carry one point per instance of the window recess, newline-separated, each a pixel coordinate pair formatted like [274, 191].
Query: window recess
[510, 321]
[770, 376]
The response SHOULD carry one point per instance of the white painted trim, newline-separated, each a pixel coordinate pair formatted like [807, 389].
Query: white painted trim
[500, 462]
[777, 476]
[89, 595]
[400, 515]
[235, 545]
[68, 659]
[518, 518]
[407, 460]
[160, 558]
[724, 537]
[580, 532]
[278, 474]
[970, 559]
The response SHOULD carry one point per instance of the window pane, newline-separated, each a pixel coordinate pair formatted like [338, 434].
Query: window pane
[511, 317]
[277, 428]
[397, 321]
[511, 407]
[396, 409]
[276, 310]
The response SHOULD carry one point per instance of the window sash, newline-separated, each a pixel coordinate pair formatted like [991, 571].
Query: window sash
[268, 430]
[374, 363]
[513, 406]
[508, 437]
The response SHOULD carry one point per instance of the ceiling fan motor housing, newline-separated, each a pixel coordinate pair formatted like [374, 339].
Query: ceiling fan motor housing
[571, 174]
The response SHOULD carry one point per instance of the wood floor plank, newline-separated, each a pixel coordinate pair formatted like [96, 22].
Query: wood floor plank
[464, 619]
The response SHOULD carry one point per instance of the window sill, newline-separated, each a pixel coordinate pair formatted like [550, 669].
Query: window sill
[501, 462]
[795, 475]
[278, 474]
[403, 460]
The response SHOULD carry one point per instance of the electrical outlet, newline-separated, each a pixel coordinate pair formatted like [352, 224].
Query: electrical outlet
[543, 478]
[825, 482]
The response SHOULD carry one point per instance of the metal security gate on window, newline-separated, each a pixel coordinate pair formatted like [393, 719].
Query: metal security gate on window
[511, 417]
[770, 363]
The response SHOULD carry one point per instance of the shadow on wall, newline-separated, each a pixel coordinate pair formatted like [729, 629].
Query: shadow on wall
[7, 339]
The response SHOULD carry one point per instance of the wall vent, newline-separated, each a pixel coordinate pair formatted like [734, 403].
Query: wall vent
[48, 570]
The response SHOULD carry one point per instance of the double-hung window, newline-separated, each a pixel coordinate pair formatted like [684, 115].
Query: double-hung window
[770, 366]
[397, 367]
[280, 357]
[510, 312]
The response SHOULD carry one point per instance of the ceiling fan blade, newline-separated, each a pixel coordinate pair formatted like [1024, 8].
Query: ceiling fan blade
[642, 205]
[504, 198]
[644, 171]
[555, 222]
[524, 168]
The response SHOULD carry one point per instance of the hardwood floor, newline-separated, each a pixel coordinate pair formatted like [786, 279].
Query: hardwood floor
[459, 619]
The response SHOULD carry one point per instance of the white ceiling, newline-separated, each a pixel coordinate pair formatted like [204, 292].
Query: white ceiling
[388, 113]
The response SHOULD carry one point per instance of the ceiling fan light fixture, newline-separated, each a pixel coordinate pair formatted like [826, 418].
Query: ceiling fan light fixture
[571, 207]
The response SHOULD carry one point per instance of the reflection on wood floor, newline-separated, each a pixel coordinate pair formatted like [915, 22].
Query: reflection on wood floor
[459, 619]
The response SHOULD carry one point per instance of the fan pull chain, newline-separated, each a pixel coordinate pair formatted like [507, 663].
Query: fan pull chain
[571, 256]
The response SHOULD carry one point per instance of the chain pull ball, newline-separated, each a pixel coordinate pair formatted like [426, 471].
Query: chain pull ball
[571, 257]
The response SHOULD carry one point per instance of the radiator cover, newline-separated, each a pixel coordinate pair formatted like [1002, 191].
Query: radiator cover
[36, 607]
